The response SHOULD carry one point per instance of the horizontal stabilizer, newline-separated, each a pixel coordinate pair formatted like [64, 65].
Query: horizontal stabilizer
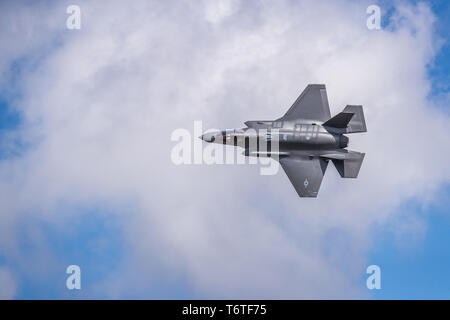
[351, 120]
[349, 167]
[341, 120]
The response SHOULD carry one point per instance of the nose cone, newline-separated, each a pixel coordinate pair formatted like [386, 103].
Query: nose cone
[208, 137]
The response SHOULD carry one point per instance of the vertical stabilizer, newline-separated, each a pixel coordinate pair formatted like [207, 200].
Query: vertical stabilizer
[357, 122]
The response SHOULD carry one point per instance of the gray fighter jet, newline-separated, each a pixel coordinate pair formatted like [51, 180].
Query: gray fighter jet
[307, 139]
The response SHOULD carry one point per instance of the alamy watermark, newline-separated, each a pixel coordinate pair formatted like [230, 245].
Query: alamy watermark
[374, 280]
[73, 22]
[74, 280]
[373, 22]
[262, 148]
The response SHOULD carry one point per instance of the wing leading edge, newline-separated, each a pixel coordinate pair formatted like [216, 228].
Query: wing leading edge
[305, 174]
[312, 104]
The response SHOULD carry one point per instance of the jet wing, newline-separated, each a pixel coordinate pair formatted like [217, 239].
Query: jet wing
[312, 104]
[305, 174]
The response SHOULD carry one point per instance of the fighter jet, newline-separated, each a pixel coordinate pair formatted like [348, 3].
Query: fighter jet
[308, 138]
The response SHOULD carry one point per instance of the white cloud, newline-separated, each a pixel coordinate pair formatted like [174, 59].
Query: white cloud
[8, 286]
[217, 11]
[100, 108]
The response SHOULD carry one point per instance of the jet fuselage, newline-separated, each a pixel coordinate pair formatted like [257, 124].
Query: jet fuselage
[261, 141]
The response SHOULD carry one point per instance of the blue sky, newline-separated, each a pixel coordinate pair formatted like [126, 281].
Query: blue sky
[440, 71]
[94, 242]
[95, 237]
[420, 272]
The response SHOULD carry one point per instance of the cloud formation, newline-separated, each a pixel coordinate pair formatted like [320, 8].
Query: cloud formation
[8, 284]
[99, 104]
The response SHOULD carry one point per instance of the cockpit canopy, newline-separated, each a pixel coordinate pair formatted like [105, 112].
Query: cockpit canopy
[211, 136]
[231, 131]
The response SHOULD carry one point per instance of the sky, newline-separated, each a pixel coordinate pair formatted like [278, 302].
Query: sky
[86, 177]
